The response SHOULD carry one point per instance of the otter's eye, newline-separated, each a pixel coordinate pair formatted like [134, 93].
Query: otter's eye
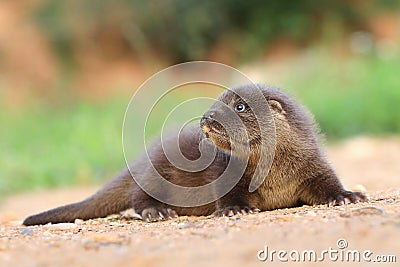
[240, 107]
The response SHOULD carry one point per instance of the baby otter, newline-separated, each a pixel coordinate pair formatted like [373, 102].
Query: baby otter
[297, 174]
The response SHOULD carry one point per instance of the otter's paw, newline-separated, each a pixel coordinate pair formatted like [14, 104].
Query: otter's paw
[155, 214]
[347, 197]
[234, 210]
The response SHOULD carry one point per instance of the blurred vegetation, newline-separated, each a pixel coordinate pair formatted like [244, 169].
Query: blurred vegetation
[43, 146]
[183, 30]
[55, 137]
[360, 94]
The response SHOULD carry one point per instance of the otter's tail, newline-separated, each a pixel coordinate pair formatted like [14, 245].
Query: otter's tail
[114, 197]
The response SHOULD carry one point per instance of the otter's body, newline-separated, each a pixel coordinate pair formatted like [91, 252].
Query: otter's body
[299, 173]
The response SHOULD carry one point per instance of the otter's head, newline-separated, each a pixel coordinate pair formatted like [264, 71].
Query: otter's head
[249, 114]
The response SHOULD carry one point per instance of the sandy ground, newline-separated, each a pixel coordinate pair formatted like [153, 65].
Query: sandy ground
[345, 232]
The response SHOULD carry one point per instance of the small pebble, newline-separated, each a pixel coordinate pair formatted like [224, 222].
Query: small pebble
[79, 221]
[27, 231]
[311, 213]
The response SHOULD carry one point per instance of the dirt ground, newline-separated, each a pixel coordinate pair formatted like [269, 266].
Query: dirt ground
[371, 230]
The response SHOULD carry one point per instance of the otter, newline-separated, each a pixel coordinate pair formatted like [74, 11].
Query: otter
[299, 173]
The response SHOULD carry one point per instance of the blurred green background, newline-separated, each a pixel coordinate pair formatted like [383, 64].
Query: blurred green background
[69, 68]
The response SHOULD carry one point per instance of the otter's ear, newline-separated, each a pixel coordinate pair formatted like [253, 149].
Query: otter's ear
[276, 106]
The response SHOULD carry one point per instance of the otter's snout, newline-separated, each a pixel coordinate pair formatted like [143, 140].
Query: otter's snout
[207, 120]
[210, 124]
[205, 124]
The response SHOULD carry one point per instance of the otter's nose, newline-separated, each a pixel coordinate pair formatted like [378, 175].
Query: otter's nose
[207, 118]
[209, 115]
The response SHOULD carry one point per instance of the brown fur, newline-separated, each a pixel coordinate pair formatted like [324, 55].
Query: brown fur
[299, 174]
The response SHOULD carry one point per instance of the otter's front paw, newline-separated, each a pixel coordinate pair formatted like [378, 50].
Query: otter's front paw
[234, 210]
[155, 214]
[347, 197]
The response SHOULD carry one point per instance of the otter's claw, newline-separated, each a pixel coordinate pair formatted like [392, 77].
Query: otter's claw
[234, 210]
[155, 214]
[347, 197]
